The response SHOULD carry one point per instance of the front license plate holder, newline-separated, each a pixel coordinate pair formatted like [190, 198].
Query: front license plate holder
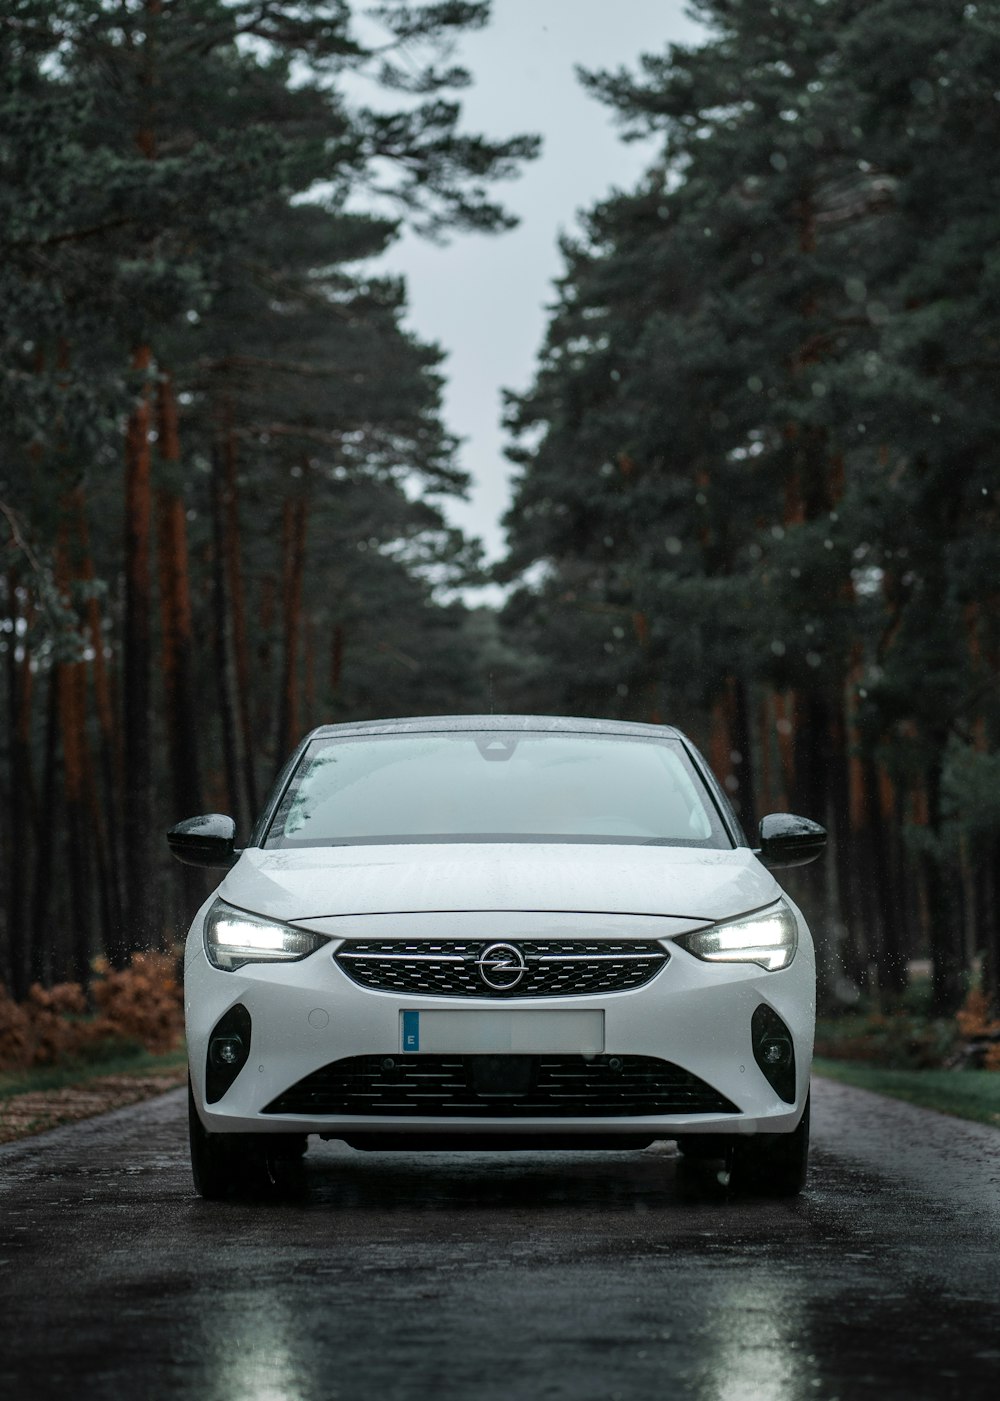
[435, 1032]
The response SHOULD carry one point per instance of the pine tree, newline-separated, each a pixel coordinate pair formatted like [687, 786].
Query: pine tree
[762, 431]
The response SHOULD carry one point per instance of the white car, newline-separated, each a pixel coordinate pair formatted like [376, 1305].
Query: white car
[498, 931]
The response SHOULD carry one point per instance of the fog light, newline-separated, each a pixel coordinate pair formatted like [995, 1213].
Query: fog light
[228, 1049]
[774, 1052]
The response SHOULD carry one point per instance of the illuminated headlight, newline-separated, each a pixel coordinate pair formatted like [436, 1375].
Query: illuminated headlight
[769, 937]
[233, 937]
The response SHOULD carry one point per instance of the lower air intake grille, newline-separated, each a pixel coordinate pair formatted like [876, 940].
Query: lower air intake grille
[502, 1087]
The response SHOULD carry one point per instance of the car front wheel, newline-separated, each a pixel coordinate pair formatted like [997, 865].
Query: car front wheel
[772, 1164]
[227, 1165]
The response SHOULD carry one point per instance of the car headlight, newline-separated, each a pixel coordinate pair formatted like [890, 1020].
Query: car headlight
[768, 937]
[233, 937]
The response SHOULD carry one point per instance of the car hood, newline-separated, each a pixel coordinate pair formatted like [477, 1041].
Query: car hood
[321, 882]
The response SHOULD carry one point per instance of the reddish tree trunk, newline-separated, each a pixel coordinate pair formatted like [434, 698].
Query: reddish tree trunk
[237, 599]
[72, 703]
[225, 680]
[293, 537]
[21, 813]
[264, 709]
[141, 906]
[104, 789]
[39, 941]
[175, 612]
[337, 659]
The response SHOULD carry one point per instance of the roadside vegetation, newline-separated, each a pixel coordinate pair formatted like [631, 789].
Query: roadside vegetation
[950, 1064]
[116, 1018]
[73, 1050]
[134, 1062]
[968, 1094]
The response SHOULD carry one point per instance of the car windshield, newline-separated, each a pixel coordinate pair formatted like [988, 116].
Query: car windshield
[495, 786]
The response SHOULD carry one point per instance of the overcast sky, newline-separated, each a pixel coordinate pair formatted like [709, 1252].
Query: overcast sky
[483, 298]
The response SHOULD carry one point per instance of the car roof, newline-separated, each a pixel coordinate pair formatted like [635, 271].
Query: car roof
[569, 724]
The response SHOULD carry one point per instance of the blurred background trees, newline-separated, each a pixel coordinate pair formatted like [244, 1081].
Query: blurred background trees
[757, 488]
[222, 453]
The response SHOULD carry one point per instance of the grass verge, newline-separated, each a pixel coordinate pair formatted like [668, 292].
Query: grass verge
[32, 1101]
[966, 1094]
[63, 1077]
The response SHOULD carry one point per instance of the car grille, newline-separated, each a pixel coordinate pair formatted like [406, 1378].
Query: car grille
[484, 1086]
[452, 968]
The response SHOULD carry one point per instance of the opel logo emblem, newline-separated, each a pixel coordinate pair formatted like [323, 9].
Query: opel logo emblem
[501, 967]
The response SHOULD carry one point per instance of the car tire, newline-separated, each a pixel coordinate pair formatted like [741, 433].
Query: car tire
[228, 1165]
[772, 1164]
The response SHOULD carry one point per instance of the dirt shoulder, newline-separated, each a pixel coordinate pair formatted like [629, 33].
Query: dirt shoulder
[34, 1111]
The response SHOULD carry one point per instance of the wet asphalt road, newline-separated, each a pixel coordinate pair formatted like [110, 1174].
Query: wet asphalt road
[474, 1275]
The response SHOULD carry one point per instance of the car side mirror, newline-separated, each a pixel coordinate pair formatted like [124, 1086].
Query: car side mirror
[787, 840]
[204, 841]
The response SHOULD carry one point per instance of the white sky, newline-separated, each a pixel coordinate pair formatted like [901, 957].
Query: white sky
[482, 298]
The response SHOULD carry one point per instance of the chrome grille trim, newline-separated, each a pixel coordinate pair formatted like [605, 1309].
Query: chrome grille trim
[409, 957]
[587, 958]
[453, 967]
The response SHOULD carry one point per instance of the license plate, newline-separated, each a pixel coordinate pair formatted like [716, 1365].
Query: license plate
[521, 1032]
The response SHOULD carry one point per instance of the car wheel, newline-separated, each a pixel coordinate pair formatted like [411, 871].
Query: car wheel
[218, 1160]
[772, 1164]
[227, 1165]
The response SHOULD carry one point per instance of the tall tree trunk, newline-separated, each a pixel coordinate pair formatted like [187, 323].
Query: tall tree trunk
[942, 910]
[104, 789]
[42, 955]
[786, 707]
[142, 923]
[989, 905]
[293, 538]
[22, 817]
[766, 795]
[814, 886]
[310, 670]
[742, 755]
[730, 748]
[224, 670]
[177, 647]
[180, 710]
[890, 879]
[237, 598]
[337, 659]
[77, 850]
[72, 703]
[846, 856]
[264, 656]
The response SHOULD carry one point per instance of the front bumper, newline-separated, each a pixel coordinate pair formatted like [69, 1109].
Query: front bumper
[306, 1015]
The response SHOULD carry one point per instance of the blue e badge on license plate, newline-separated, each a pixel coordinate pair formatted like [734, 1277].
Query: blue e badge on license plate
[411, 1031]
